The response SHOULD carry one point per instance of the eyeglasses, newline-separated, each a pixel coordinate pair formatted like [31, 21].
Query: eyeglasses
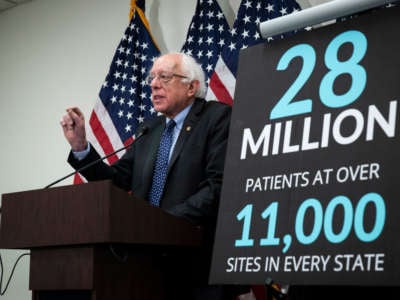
[164, 77]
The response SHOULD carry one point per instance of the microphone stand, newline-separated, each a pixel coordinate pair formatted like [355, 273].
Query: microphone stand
[86, 166]
[140, 134]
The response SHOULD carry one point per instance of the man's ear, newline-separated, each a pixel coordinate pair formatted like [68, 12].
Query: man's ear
[193, 87]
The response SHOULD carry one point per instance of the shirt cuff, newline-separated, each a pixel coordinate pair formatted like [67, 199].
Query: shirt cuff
[79, 155]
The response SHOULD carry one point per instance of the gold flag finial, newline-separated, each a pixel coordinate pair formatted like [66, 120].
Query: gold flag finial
[132, 10]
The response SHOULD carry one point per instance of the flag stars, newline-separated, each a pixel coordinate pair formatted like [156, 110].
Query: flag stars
[246, 19]
[121, 49]
[140, 119]
[189, 39]
[247, 4]
[117, 75]
[142, 107]
[121, 101]
[283, 11]
[209, 40]
[270, 7]
[131, 103]
[210, 27]
[128, 128]
[115, 87]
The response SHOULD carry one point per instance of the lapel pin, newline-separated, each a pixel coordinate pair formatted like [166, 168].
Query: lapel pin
[188, 128]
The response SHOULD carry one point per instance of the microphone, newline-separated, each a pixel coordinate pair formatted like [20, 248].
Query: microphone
[141, 133]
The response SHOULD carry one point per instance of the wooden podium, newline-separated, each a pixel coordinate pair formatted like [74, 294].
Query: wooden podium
[92, 241]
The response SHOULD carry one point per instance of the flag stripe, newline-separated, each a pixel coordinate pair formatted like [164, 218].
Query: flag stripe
[102, 136]
[217, 85]
[78, 179]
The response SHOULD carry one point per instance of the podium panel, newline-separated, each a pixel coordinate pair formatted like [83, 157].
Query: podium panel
[95, 273]
[94, 241]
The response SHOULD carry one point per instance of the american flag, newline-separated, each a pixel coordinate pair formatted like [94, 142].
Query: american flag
[221, 62]
[208, 32]
[124, 98]
[243, 34]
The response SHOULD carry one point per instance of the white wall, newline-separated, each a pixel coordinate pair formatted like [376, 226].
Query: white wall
[55, 54]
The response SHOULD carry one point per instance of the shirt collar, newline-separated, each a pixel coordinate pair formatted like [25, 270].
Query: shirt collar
[180, 117]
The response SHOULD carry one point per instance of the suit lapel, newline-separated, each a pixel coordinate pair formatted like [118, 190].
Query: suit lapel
[188, 125]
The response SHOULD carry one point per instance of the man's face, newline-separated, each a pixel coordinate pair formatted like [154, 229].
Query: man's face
[169, 94]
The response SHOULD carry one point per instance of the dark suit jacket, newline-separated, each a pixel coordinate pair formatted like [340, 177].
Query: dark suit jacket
[194, 179]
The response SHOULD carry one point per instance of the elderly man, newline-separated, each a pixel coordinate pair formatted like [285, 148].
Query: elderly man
[176, 164]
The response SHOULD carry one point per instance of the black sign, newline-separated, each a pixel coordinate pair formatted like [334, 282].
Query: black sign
[310, 192]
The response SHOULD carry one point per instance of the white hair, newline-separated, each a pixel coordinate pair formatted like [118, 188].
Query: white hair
[193, 70]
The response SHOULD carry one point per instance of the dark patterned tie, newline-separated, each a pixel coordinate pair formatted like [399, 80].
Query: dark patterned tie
[160, 170]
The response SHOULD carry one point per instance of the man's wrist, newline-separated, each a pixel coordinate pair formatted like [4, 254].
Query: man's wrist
[79, 155]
